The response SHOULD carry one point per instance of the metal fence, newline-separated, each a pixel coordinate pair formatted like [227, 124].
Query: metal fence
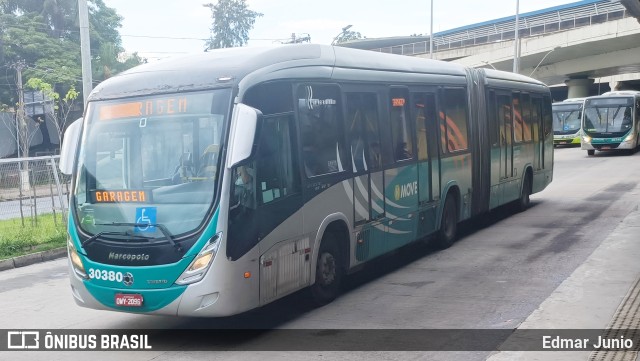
[538, 24]
[32, 187]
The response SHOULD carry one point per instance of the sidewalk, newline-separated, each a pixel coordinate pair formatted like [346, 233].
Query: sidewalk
[33, 258]
[593, 297]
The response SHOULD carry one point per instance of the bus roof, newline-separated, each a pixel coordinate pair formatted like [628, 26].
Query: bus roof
[619, 93]
[227, 67]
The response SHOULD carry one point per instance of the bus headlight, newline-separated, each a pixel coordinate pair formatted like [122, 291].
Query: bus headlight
[200, 265]
[586, 138]
[630, 138]
[76, 261]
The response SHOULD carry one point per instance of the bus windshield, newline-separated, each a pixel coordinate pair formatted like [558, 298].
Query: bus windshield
[566, 118]
[150, 162]
[611, 116]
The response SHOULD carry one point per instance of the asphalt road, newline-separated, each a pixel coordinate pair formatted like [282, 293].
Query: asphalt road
[503, 267]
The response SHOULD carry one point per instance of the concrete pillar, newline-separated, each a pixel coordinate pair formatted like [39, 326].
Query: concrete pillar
[578, 88]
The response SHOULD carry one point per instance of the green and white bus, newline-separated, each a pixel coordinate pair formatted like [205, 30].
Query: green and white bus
[611, 121]
[567, 118]
[212, 184]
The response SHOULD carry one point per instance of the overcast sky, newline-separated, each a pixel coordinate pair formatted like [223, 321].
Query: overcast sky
[162, 28]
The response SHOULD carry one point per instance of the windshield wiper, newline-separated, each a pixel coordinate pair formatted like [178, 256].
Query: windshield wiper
[105, 233]
[161, 227]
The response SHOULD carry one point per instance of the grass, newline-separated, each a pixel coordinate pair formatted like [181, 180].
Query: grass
[16, 240]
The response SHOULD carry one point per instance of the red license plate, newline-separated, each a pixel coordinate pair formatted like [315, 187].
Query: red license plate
[128, 300]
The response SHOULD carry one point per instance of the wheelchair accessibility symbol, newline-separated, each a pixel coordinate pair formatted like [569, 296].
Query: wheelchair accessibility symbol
[145, 218]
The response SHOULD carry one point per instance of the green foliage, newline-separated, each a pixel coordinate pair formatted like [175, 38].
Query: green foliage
[45, 34]
[232, 21]
[16, 240]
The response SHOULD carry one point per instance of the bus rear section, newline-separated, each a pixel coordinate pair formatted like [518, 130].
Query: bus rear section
[567, 116]
[611, 122]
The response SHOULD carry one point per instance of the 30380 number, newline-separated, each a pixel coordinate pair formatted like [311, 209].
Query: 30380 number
[105, 275]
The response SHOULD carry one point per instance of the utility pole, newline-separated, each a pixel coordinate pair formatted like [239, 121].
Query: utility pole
[431, 33]
[85, 50]
[22, 131]
[516, 46]
[21, 126]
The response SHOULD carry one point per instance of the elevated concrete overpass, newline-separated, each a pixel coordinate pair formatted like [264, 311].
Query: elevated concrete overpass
[582, 48]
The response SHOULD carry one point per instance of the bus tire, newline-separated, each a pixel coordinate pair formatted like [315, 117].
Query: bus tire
[525, 194]
[591, 152]
[329, 271]
[448, 224]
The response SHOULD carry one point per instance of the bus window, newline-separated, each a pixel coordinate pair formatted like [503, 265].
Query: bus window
[517, 119]
[453, 121]
[504, 119]
[536, 118]
[319, 115]
[526, 117]
[424, 107]
[400, 126]
[275, 173]
[362, 128]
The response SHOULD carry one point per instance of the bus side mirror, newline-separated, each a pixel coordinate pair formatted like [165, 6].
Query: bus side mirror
[242, 139]
[69, 146]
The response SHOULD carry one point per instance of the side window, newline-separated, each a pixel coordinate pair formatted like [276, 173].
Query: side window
[504, 119]
[277, 175]
[362, 129]
[526, 117]
[424, 112]
[453, 121]
[401, 134]
[492, 118]
[536, 117]
[320, 119]
[517, 119]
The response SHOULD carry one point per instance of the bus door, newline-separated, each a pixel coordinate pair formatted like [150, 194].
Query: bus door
[505, 125]
[401, 178]
[423, 108]
[362, 130]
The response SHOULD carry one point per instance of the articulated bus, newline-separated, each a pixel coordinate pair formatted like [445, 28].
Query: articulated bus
[611, 121]
[567, 117]
[216, 183]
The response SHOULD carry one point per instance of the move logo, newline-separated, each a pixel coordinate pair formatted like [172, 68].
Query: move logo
[406, 190]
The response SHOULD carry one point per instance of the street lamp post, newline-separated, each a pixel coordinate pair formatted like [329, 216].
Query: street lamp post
[516, 46]
[488, 63]
[544, 57]
[344, 30]
[431, 33]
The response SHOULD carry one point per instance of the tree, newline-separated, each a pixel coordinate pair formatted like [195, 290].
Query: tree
[45, 35]
[62, 106]
[348, 35]
[232, 21]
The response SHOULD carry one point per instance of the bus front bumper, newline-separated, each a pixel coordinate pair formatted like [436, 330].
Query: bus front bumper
[201, 299]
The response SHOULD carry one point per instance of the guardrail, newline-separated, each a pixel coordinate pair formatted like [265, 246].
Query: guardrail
[538, 24]
[33, 186]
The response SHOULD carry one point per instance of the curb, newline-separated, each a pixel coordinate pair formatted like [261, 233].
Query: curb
[33, 258]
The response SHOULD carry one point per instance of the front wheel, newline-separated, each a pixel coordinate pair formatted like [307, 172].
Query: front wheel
[591, 152]
[448, 224]
[329, 272]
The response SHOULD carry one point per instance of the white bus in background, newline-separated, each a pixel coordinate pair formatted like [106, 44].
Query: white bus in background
[567, 116]
[611, 121]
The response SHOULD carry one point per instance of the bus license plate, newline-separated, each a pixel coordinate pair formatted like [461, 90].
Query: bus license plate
[605, 147]
[128, 300]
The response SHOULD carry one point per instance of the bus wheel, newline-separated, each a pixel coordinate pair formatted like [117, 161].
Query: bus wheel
[448, 224]
[591, 152]
[328, 272]
[525, 195]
